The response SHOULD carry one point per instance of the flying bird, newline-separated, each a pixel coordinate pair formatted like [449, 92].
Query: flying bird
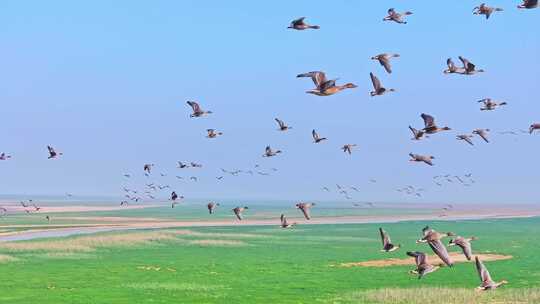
[300, 24]
[282, 125]
[466, 138]
[4, 156]
[316, 138]
[285, 223]
[305, 207]
[197, 111]
[464, 244]
[483, 133]
[386, 242]
[384, 60]
[489, 104]
[469, 68]
[212, 207]
[348, 148]
[397, 17]
[528, 4]
[213, 134]
[485, 277]
[421, 158]
[417, 134]
[148, 168]
[238, 212]
[423, 267]
[429, 125]
[433, 238]
[378, 89]
[53, 153]
[269, 152]
[533, 127]
[484, 9]
[323, 86]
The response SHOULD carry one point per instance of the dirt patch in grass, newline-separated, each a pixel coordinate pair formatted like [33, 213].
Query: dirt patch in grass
[456, 257]
[218, 243]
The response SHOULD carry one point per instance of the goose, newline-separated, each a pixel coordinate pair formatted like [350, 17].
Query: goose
[429, 125]
[386, 242]
[285, 223]
[197, 111]
[528, 4]
[417, 134]
[122, 203]
[212, 133]
[384, 60]
[466, 138]
[300, 25]
[423, 267]
[181, 165]
[396, 17]
[483, 9]
[489, 104]
[533, 127]
[316, 138]
[282, 125]
[174, 196]
[464, 244]
[348, 148]
[378, 88]
[485, 277]
[452, 68]
[324, 87]
[305, 207]
[238, 212]
[148, 168]
[421, 158]
[482, 133]
[470, 69]
[433, 238]
[269, 153]
[53, 153]
[212, 207]
[4, 156]
[195, 165]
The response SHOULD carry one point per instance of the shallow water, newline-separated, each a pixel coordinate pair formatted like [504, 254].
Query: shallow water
[62, 232]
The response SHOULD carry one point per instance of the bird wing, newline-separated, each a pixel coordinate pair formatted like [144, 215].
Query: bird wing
[305, 211]
[280, 122]
[385, 62]
[485, 277]
[315, 135]
[375, 81]
[283, 220]
[195, 106]
[450, 63]
[51, 149]
[317, 77]
[440, 250]
[298, 21]
[391, 11]
[384, 237]
[429, 121]
[467, 64]
[268, 149]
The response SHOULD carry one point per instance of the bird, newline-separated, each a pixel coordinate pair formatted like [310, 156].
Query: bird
[285, 223]
[193, 178]
[197, 111]
[324, 87]
[378, 89]
[489, 104]
[423, 267]
[238, 212]
[4, 156]
[528, 4]
[305, 207]
[469, 68]
[452, 68]
[417, 134]
[465, 137]
[300, 25]
[429, 125]
[387, 243]
[396, 17]
[122, 203]
[282, 125]
[48, 218]
[213, 134]
[348, 148]
[127, 175]
[269, 152]
[483, 9]
[483, 133]
[316, 138]
[148, 168]
[421, 158]
[384, 60]
[433, 238]
[181, 165]
[485, 277]
[464, 244]
[212, 207]
[53, 153]
[174, 196]
[195, 165]
[533, 127]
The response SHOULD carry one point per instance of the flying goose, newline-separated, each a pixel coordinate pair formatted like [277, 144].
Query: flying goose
[378, 89]
[433, 238]
[386, 242]
[147, 168]
[212, 133]
[197, 111]
[269, 153]
[485, 277]
[482, 133]
[429, 125]
[212, 207]
[238, 212]
[323, 86]
[316, 138]
[396, 17]
[299, 24]
[285, 223]
[470, 69]
[452, 68]
[423, 267]
[464, 244]
[181, 165]
[348, 148]
[384, 60]
[528, 4]
[489, 104]
[421, 158]
[534, 126]
[3, 156]
[305, 207]
[418, 134]
[53, 153]
[483, 9]
[282, 125]
[465, 137]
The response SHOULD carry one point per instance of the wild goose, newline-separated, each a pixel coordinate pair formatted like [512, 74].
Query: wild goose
[316, 138]
[423, 267]
[470, 69]
[299, 24]
[269, 152]
[528, 4]
[417, 134]
[433, 238]
[238, 212]
[181, 165]
[348, 148]
[378, 89]
[421, 158]
[384, 60]
[305, 207]
[282, 125]
[452, 68]
[386, 242]
[212, 207]
[3, 156]
[53, 153]
[483, 133]
[464, 244]
[483, 9]
[396, 17]
[466, 138]
[489, 104]
[534, 126]
[197, 111]
[429, 125]
[212, 133]
[323, 86]
[485, 277]
[148, 168]
[285, 223]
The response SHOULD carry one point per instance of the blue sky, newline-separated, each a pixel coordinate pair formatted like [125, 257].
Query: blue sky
[106, 83]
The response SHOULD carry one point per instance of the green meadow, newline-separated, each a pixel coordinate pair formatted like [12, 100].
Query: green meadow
[265, 264]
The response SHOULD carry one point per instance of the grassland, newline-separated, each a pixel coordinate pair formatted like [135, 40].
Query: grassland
[263, 264]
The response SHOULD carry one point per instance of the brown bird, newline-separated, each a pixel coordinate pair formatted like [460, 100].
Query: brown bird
[417, 134]
[299, 24]
[53, 153]
[490, 105]
[464, 244]
[285, 223]
[470, 69]
[533, 127]
[316, 138]
[433, 238]
[148, 168]
[323, 86]
[485, 277]
[483, 9]
[4, 156]
[465, 137]
[378, 89]
[197, 111]
[397, 17]
[386, 242]
[238, 212]
[348, 148]
[482, 133]
[384, 60]
[282, 125]
[423, 267]
[528, 4]
[269, 152]
[305, 207]
[213, 134]
[429, 125]
[212, 207]
[421, 158]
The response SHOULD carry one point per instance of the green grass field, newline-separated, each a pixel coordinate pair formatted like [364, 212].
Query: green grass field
[264, 265]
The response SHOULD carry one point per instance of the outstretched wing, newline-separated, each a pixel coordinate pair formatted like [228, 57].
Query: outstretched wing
[419, 257]
[318, 77]
[315, 135]
[429, 121]
[283, 220]
[467, 64]
[485, 277]
[299, 21]
[451, 64]
[385, 62]
[440, 250]
[195, 106]
[384, 237]
[375, 81]
[280, 123]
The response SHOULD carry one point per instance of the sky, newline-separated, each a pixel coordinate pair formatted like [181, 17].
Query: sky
[106, 83]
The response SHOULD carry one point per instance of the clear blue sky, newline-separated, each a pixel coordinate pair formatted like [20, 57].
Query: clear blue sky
[106, 83]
